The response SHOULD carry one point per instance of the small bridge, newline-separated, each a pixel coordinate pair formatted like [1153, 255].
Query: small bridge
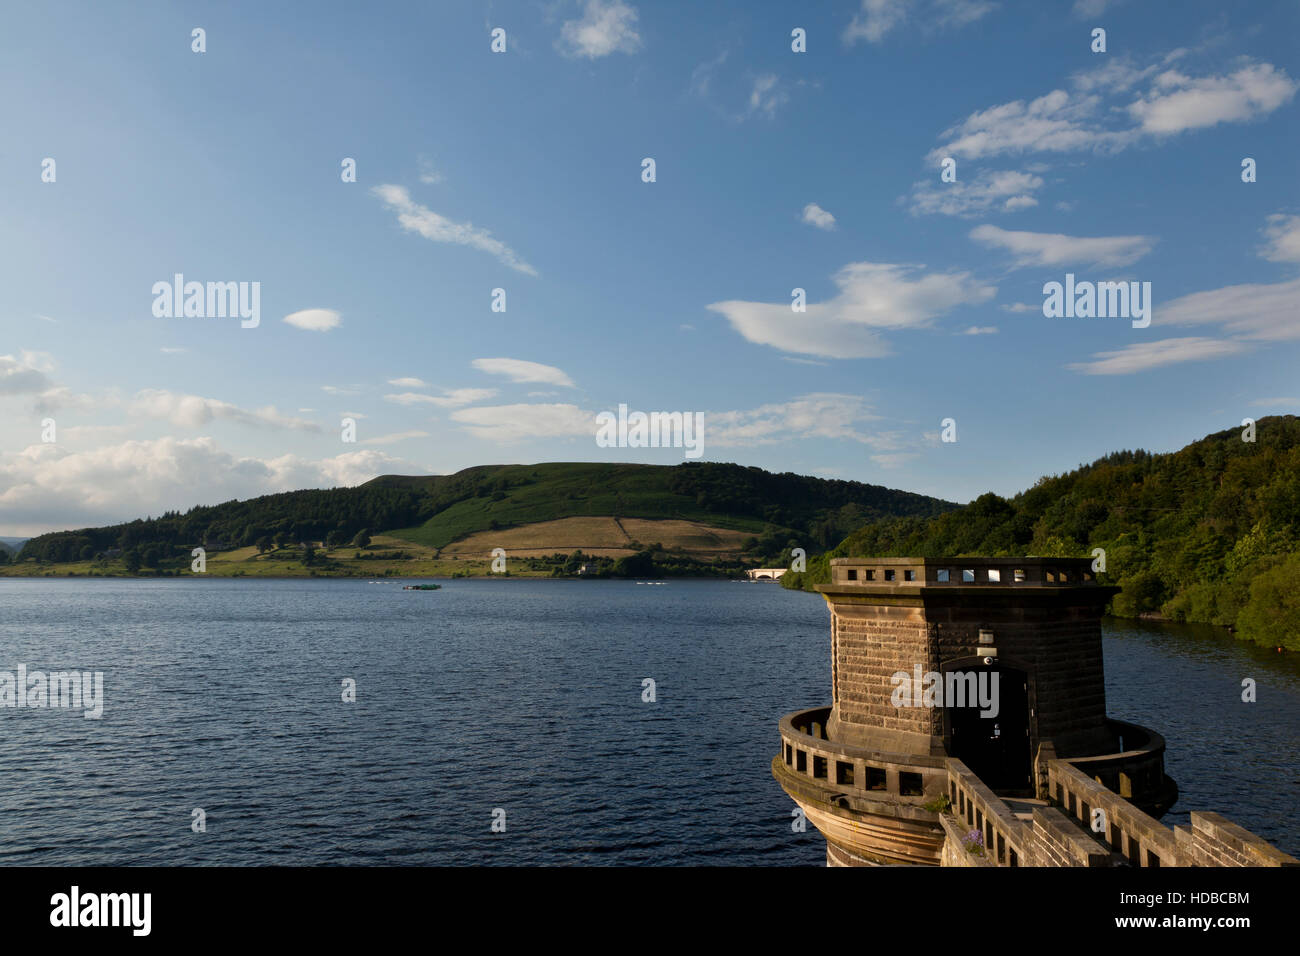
[764, 574]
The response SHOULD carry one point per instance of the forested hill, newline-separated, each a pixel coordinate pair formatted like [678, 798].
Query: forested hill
[435, 510]
[1209, 533]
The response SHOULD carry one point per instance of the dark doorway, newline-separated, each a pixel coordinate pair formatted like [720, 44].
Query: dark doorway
[995, 748]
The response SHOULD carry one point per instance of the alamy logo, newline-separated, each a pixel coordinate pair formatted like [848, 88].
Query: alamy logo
[211, 300]
[951, 689]
[37, 689]
[1102, 300]
[653, 430]
[103, 909]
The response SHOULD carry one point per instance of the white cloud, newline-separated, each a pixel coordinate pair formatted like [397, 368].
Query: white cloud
[1088, 119]
[1145, 355]
[61, 397]
[410, 398]
[873, 297]
[518, 370]
[702, 75]
[451, 397]
[815, 215]
[341, 389]
[1178, 102]
[314, 320]
[818, 415]
[1021, 307]
[1051, 123]
[767, 95]
[511, 423]
[1283, 234]
[1260, 312]
[172, 350]
[981, 330]
[876, 18]
[428, 175]
[193, 411]
[24, 373]
[606, 26]
[1004, 190]
[407, 383]
[49, 486]
[1055, 249]
[414, 217]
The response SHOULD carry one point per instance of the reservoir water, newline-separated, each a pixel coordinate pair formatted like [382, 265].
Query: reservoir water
[503, 695]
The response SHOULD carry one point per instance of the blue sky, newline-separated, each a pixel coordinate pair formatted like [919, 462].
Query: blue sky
[522, 170]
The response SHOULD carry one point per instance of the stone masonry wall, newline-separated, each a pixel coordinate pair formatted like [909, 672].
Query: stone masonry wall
[870, 644]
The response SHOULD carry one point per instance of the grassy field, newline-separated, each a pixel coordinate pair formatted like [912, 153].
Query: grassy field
[544, 493]
[608, 537]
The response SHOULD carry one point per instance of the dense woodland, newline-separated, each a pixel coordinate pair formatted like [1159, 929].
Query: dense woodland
[1209, 533]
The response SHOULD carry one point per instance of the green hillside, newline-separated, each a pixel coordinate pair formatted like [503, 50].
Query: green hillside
[433, 511]
[1209, 533]
[773, 507]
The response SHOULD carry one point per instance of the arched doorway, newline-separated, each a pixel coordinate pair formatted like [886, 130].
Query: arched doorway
[995, 747]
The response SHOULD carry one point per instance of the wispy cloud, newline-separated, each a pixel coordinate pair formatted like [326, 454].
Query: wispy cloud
[428, 174]
[1147, 355]
[194, 411]
[1283, 235]
[25, 373]
[1255, 311]
[512, 423]
[1086, 120]
[873, 297]
[991, 190]
[876, 18]
[451, 398]
[518, 370]
[767, 95]
[1055, 249]
[416, 218]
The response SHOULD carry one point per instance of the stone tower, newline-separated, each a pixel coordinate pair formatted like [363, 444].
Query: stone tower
[994, 661]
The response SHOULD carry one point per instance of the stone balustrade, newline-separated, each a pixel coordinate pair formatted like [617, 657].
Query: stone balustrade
[959, 572]
[857, 772]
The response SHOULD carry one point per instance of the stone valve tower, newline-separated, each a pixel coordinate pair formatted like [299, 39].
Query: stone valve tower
[968, 726]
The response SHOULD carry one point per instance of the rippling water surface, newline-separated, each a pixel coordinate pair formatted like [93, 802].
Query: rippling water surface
[520, 695]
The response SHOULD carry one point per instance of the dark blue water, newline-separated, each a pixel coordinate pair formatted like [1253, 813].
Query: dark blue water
[520, 695]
